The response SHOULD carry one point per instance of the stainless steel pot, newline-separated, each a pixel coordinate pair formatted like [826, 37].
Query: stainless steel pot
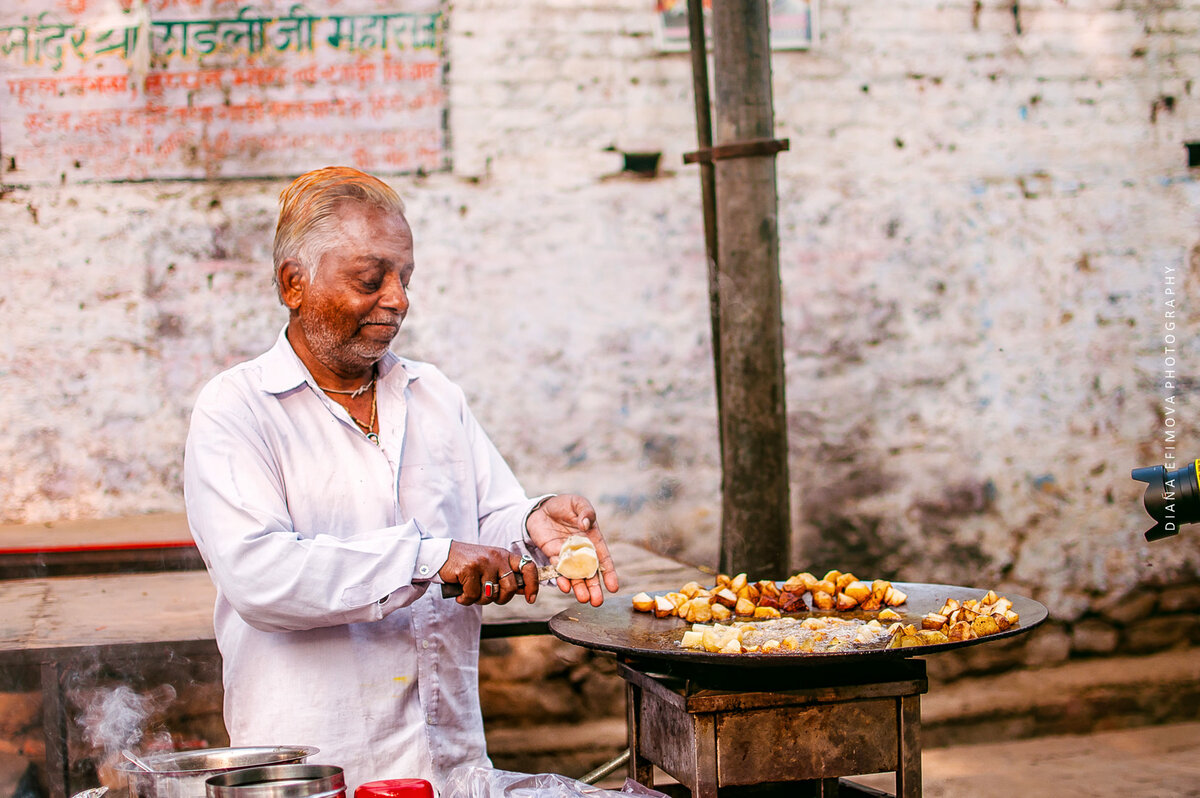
[279, 781]
[181, 774]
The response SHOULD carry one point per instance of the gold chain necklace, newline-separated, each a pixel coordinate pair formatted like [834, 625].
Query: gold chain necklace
[367, 428]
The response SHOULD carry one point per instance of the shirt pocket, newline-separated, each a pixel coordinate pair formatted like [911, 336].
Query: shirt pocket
[440, 497]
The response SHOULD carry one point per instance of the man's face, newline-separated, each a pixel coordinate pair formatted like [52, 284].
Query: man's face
[352, 308]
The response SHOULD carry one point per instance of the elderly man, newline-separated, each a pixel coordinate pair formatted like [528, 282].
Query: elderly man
[329, 483]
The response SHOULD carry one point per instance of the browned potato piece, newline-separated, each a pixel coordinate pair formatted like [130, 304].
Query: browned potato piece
[985, 625]
[871, 603]
[931, 637]
[643, 602]
[844, 580]
[859, 591]
[990, 597]
[1001, 621]
[824, 586]
[744, 607]
[960, 631]
[738, 583]
[792, 601]
[766, 613]
[720, 612]
[678, 599]
[663, 607]
[725, 596]
[845, 602]
[796, 584]
[888, 614]
[908, 641]
[723, 580]
[1012, 617]
[767, 588]
[808, 579]
[823, 600]
[765, 600]
[696, 611]
[832, 576]
[894, 597]
[933, 621]
[691, 589]
[751, 592]
[769, 646]
[950, 606]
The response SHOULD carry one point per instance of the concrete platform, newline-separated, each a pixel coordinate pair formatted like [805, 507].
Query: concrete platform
[1150, 762]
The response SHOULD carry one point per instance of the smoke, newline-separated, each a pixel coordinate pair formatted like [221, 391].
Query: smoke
[116, 719]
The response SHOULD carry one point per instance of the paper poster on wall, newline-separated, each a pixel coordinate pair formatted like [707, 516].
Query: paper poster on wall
[793, 24]
[202, 89]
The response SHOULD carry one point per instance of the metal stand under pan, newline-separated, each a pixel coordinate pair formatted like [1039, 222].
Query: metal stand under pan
[775, 731]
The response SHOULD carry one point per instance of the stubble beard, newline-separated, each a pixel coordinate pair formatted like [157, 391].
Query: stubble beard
[336, 353]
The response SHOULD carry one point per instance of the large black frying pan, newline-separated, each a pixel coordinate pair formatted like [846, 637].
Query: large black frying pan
[615, 626]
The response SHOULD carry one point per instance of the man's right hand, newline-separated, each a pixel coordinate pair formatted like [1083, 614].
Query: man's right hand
[474, 566]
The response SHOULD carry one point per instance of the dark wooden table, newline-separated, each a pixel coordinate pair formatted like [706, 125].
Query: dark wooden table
[56, 624]
[154, 542]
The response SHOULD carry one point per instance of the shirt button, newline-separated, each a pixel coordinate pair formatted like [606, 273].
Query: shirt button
[424, 569]
[424, 644]
[429, 719]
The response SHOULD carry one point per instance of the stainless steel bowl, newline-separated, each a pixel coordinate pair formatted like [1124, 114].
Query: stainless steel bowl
[279, 781]
[181, 774]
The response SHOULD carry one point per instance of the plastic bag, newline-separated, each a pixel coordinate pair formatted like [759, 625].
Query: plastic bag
[470, 781]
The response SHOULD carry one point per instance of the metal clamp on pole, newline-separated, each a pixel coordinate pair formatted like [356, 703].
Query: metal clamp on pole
[738, 149]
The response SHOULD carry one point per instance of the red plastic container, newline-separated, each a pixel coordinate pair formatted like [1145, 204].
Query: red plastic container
[395, 788]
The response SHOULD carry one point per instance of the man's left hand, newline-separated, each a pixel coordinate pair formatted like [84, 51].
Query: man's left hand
[556, 520]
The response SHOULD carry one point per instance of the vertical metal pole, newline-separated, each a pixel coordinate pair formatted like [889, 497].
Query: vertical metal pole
[756, 519]
[708, 189]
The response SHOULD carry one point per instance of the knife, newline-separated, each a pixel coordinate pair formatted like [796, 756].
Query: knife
[545, 573]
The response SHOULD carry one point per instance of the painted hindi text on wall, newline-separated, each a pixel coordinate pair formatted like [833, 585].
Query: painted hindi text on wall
[126, 90]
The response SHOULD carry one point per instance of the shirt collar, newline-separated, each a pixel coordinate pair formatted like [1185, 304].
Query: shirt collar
[282, 369]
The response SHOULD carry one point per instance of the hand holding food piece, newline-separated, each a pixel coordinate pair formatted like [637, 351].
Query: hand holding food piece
[577, 558]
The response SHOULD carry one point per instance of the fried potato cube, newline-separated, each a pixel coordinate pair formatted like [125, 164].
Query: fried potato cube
[691, 589]
[692, 639]
[824, 586]
[910, 629]
[831, 576]
[796, 584]
[697, 611]
[950, 606]
[808, 579]
[880, 587]
[813, 623]
[767, 588]
[990, 597]
[764, 613]
[732, 647]
[663, 607]
[896, 628]
[846, 602]
[1012, 617]
[1001, 621]
[823, 600]
[678, 599]
[932, 637]
[960, 631]
[723, 580]
[1000, 607]
[859, 591]
[933, 621]
[789, 643]
[888, 614]
[984, 625]
[843, 580]
[643, 602]
[790, 601]
[720, 612]
[894, 597]
[765, 600]
[744, 606]
[738, 583]
[717, 637]
[908, 641]
[971, 604]
[725, 596]
[769, 646]
[750, 591]
[871, 603]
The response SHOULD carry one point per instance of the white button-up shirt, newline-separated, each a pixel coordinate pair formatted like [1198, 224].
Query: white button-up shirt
[322, 546]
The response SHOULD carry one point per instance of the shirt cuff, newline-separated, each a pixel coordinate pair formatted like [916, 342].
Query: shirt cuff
[538, 502]
[431, 556]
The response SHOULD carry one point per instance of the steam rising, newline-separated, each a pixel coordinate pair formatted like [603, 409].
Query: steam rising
[115, 720]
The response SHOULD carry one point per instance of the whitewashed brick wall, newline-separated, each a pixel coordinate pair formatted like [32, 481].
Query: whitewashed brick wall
[976, 226]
